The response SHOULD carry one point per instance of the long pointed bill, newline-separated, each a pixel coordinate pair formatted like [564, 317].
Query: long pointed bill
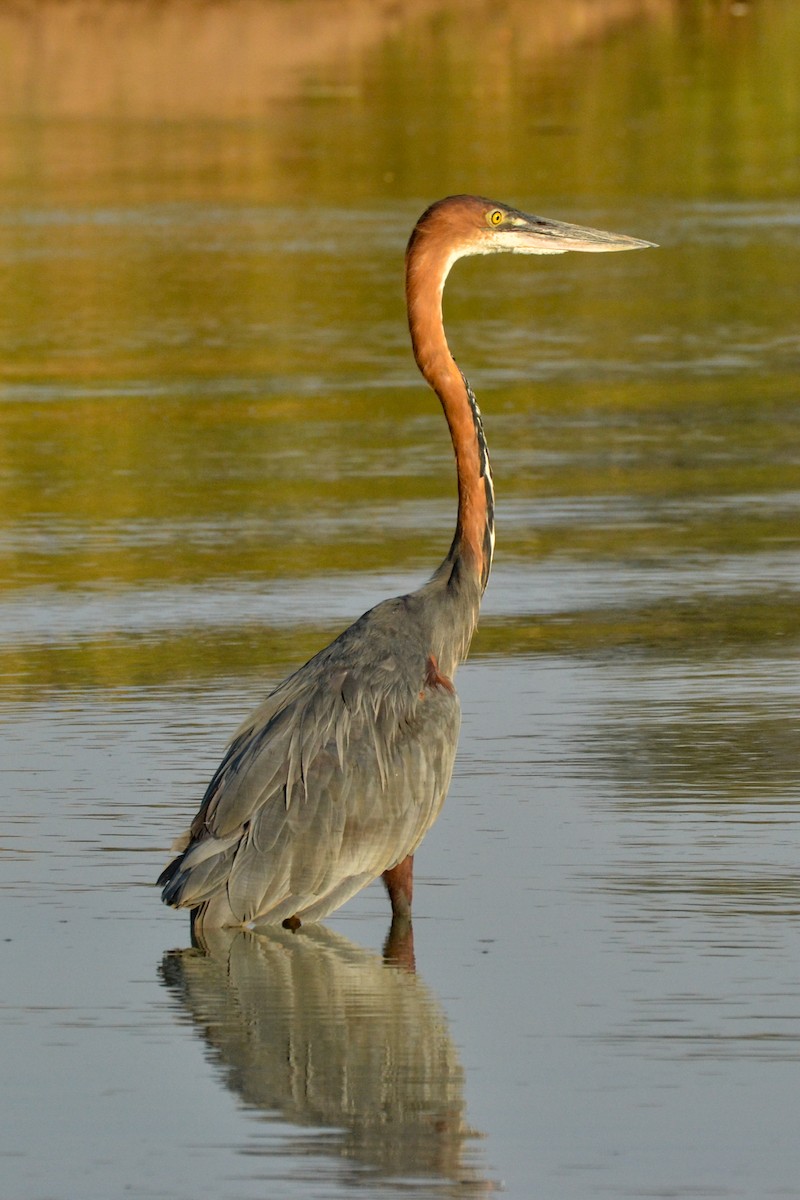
[539, 235]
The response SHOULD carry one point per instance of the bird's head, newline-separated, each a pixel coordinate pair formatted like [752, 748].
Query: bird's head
[474, 225]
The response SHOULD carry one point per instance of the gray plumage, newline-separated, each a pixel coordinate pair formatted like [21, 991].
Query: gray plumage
[339, 774]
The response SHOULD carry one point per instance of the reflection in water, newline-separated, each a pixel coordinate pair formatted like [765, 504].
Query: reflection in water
[317, 1031]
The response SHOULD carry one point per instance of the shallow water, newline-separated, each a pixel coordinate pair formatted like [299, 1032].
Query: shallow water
[214, 453]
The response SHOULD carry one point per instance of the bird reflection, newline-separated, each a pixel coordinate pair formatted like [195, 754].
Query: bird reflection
[314, 1030]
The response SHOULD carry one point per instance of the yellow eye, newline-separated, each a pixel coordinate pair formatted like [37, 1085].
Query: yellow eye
[495, 216]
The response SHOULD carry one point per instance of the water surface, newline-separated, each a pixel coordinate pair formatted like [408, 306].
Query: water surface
[215, 452]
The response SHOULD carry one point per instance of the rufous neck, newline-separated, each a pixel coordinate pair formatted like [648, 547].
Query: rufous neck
[427, 267]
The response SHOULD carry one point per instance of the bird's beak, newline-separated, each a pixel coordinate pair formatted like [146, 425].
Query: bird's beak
[539, 235]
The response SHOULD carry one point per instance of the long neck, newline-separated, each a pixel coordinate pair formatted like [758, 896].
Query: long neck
[427, 264]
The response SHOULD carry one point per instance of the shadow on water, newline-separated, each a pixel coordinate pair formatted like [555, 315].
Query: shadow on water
[315, 1031]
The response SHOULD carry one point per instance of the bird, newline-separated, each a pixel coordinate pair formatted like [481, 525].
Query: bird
[337, 776]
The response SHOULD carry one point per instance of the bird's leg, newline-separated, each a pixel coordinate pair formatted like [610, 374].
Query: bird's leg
[399, 882]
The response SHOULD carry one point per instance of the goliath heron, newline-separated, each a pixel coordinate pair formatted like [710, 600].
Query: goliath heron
[343, 769]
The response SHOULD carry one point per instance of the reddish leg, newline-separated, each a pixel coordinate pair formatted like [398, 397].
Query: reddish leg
[399, 882]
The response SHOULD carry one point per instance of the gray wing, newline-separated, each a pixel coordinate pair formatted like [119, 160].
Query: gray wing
[334, 779]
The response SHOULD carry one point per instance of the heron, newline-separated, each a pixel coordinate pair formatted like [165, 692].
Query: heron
[338, 775]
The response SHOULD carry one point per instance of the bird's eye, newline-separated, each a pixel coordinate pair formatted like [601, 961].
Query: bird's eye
[494, 217]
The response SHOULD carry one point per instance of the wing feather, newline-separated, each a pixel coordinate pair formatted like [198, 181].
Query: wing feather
[335, 778]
